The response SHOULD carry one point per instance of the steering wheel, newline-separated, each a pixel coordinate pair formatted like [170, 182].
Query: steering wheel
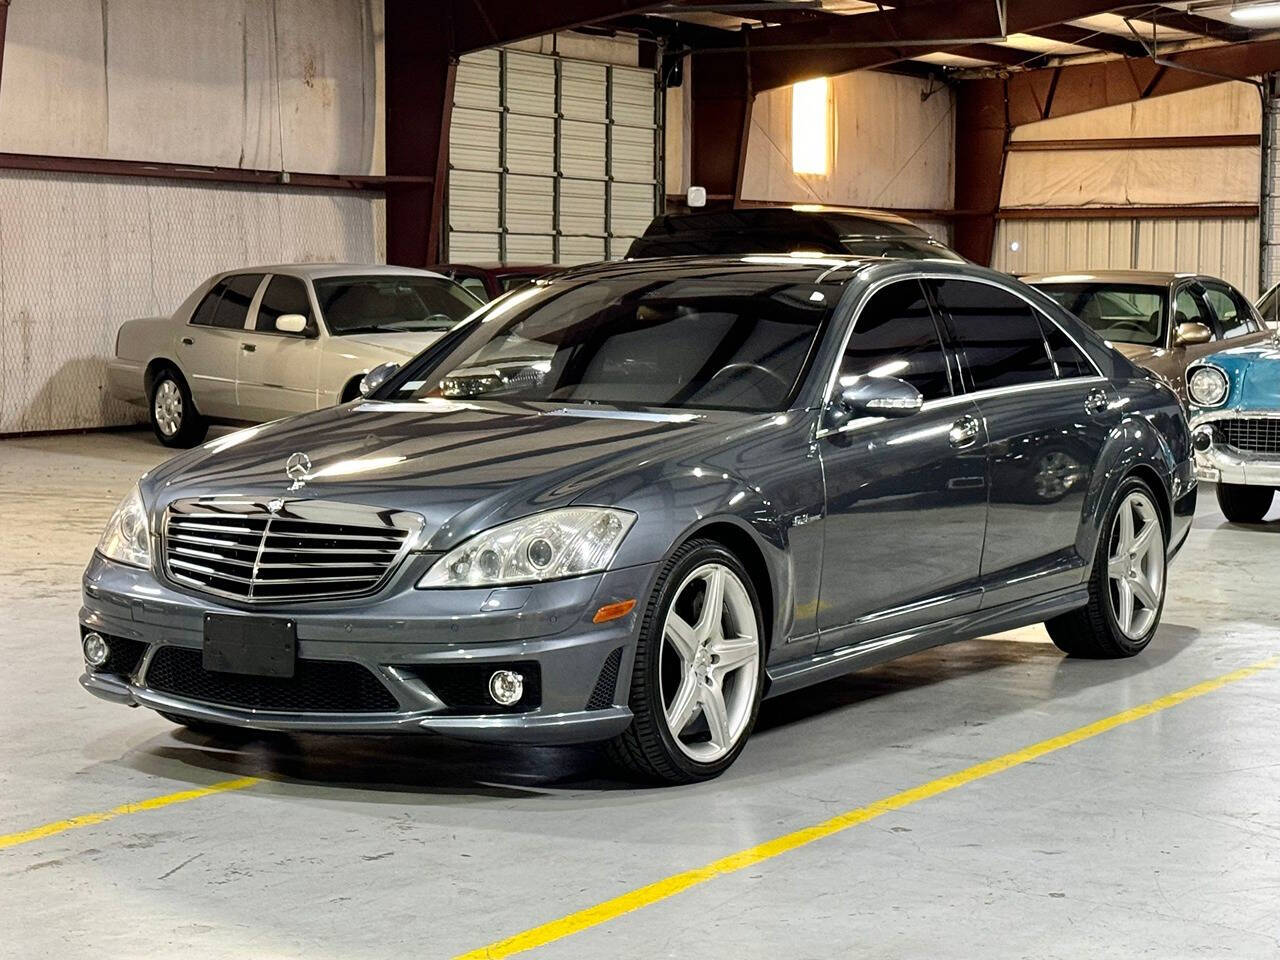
[730, 368]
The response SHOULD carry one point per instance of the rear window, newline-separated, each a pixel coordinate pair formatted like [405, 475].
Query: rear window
[1121, 313]
[388, 304]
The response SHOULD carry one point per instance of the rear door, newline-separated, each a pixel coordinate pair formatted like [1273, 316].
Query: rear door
[1046, 412]
[209, 349]
[906, 498]
[278, 371]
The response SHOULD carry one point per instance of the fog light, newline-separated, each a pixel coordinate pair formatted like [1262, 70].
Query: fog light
[96, 650]
[1202, 439]
[506, 687]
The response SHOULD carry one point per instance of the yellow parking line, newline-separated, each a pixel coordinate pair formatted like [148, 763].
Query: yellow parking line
[669, 887]
[92, 819]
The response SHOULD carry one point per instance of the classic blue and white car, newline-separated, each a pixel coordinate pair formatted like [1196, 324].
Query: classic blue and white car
[1235, 419]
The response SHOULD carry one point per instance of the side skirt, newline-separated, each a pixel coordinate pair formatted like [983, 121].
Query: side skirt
[828, 664]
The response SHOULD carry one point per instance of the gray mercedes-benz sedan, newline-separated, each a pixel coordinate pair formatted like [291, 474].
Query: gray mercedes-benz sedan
[627, 503]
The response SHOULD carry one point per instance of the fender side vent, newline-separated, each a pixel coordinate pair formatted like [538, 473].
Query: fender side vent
[607, 682]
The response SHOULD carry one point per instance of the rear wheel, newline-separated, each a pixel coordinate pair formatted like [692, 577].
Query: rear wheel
[698, 675]
[1127, 586]
[1242, 503]
[174, 417]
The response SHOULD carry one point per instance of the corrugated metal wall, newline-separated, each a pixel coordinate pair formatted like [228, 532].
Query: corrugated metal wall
[1226, 248]
[79, 255]
[552, 159]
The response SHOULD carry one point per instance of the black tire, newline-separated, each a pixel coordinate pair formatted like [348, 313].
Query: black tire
[1093, 631]
[351, 391]
[1241, 503]
[185, 426]
[648, 749]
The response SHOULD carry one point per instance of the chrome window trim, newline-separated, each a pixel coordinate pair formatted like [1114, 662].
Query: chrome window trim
[956, 399]
[877, 285]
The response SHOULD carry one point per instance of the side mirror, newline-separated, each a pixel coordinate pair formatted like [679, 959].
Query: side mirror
[879, 397]
[1190, 334]
[291, 323]
[376, 377]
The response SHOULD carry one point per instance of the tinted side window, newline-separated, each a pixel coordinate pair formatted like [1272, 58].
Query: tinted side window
[1269, 306]
[998, 334]
[283, 295]
[1067, 357]
[234, 305]
[475, 287]
[1233, 315]
[1187, 309]
[895, 336]
[203, 314]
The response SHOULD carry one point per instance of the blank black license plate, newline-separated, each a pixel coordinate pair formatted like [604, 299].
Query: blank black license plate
[259, 646]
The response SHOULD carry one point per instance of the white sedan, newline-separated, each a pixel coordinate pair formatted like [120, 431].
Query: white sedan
[267, 342]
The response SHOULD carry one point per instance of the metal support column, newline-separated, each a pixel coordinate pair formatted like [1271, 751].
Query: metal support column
[1268, 216]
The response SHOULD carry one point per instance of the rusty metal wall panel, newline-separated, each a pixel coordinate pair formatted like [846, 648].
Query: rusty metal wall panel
[79, 255]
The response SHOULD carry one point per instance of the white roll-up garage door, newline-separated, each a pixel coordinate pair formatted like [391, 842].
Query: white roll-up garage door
[551, 160]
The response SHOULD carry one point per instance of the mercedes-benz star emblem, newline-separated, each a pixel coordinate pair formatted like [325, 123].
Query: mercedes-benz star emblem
[296, 469]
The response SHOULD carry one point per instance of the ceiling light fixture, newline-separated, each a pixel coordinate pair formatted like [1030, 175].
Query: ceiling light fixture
[1256, 12]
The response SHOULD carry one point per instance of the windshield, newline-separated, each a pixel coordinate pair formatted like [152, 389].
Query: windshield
[733, 340]
[390, 304]
[1121, 313]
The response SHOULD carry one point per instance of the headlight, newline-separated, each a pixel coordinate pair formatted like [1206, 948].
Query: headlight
[545, 546]
[1207, 386]
[127, 538]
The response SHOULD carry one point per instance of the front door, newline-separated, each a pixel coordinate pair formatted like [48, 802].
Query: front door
[906, 498]
[278, 371]
[1047, 413]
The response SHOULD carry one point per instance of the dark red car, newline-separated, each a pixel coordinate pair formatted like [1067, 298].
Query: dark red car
[489, 280]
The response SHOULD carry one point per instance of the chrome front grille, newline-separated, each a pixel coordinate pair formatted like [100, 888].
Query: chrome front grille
[1251, 434]
[300, 550]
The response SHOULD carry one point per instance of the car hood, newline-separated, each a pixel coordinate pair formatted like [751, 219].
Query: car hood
[464, 466]
[1254, 374]
[394, 345]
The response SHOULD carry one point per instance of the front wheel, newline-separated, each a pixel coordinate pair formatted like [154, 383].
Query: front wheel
[1127, 586]
[698, 675]
[1241, 503]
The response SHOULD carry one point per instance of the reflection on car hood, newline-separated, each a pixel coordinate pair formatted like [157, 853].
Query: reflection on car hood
[463, 465]
[398, 344]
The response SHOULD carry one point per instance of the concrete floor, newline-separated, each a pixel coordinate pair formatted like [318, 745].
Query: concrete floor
[1160, 838]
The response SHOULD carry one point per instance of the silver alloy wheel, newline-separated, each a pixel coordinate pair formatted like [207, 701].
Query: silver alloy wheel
[167, 407]
[1135, 565]
[709, 687]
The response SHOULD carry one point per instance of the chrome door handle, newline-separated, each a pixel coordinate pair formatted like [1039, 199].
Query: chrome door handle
[248, 347]
[964, 432]
[1096, 402]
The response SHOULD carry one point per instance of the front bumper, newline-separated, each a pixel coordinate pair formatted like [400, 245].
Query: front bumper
[399, 637]
[1222, 463]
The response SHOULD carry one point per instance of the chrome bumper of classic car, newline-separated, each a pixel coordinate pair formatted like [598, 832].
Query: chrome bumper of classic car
[1218, 460]
[404, 660]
